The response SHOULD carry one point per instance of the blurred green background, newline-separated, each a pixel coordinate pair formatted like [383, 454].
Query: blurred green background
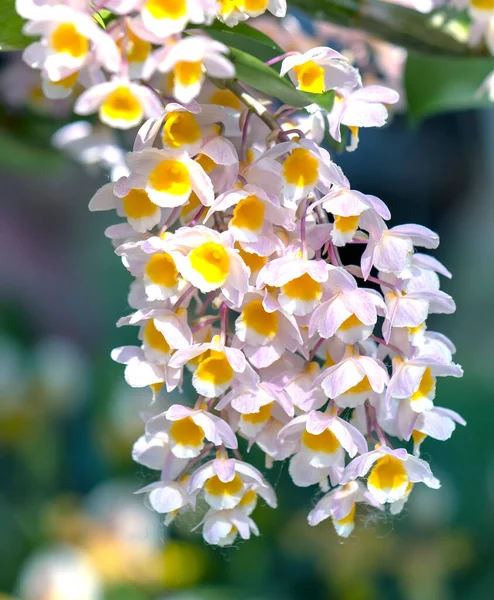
[67, 419]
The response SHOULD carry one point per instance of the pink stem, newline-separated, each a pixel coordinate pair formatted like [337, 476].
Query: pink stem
[209, 298]
[385, 343]
[243, 147]
[224, 321]
[277, 59]
[197, 217]
[315, 349]
[303, 218]
[204, 324]
[333, 253]
[184, 295]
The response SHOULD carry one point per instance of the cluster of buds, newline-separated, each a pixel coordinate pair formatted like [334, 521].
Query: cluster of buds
[234, 220]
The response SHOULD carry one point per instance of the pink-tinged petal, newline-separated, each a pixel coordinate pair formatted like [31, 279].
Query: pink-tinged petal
[176, 333]
[89, 101]
[176, 412]
[216, 526]
[419, 470]
[244, 524]
[364, 114]
[228, 437]
[436, 425]
[420, 235]
[450, 414]
[199, 477]
[406, 311]
[336, 473]
[317, 422]
[264, 356]
[302, 474]
[149, 453]
[363, 305]
[376, 204]
[322, 510]
[224, 468]
[349, 437]
[424, 261]
[250, 472]
[367, 259]
[405, 381]
[142, 374]
[439, 302]
[124, 354]
[360, 466]
[104, 199]
[293, 429]
[236, 359]
[147, 133]
[181, 357]
[201, 183]
[341, 377]
[376, 93]
[165, 498]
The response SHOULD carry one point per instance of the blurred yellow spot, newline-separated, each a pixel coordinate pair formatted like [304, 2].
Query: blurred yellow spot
[166, 9]
[187, 72]
[121, 104]
[346, 224]
[226, 98]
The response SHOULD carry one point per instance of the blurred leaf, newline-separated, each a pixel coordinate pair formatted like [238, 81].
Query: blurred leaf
[436, 84]
[11, 36]
[387, 21]
[263, 78]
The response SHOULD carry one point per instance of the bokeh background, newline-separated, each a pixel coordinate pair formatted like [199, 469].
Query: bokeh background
[67, 419]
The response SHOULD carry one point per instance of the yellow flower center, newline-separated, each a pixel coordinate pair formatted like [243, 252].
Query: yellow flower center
[255, 5]
[215, 487]
[211, 260]
[361, 387]
[187, 72]
[248, 498]
[166, 9]
[192, 205]
[161, 270]
[323, 442]
[304, 288]
[248, 214]
[259, 417]
[155, 338]
[121, 104]
[66, 39]
[418, 436]
[426, 388]
[310, 77]
[180, 128]
[346, 224]
[253, 261]
[186, 433]
[350, 518]
[215, 369]
[388, 473]
[136, 205]
[255, 317]
[226, 98]
[170, 177]
[350, 323]
[301, 168]
[206, 163]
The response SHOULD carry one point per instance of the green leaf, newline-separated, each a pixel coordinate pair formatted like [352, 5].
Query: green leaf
[436, 84]
[255, 73]
[245, 38]
[11, 36]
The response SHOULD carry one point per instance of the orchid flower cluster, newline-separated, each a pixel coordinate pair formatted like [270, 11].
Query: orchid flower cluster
[234, 217]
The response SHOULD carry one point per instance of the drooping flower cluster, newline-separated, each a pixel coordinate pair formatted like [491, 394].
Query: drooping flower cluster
[234, 217]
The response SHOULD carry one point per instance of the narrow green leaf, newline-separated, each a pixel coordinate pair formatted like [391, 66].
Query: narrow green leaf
[436, 84]
[11, 36]
[245, 38]
[258, 75]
